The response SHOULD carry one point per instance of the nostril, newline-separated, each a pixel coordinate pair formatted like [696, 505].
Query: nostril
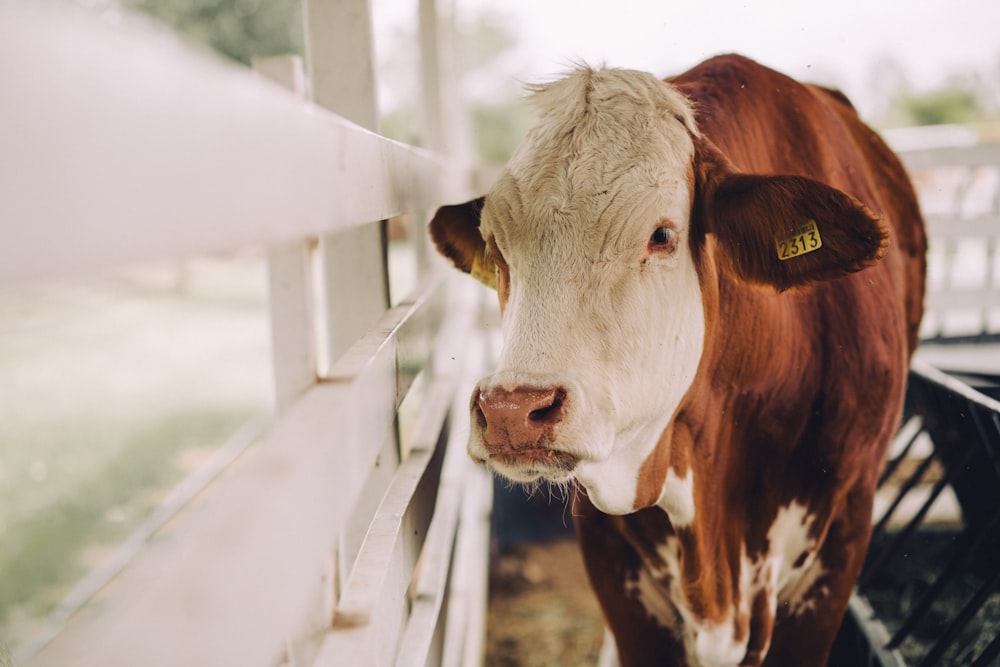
[552, 413]
[518, 418]
[480, 415]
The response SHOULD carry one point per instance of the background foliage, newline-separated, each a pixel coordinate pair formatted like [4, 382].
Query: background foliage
[242, 29]
[239, 29]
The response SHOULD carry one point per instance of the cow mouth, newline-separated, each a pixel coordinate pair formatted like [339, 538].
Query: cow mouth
[530, 464]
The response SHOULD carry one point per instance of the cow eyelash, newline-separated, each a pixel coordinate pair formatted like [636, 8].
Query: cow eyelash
[663, 239]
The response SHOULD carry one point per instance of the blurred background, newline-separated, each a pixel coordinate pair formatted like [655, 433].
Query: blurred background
[114, 387]
[901, 63]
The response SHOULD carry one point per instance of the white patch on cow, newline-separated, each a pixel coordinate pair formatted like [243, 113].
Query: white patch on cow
[773, 573]
[756, 577]
[708, 644]
[801, 594]
[790, 569]
[717, 646]
[677, 499]
[650, 593]
[590, 308]
[788, 539]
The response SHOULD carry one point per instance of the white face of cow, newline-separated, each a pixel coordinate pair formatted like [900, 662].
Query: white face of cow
[603, 319]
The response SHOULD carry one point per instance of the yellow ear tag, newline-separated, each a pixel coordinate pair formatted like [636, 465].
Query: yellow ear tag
[484, 271]
[800, 241]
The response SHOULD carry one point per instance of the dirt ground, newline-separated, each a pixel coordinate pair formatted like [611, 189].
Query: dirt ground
[541, 610]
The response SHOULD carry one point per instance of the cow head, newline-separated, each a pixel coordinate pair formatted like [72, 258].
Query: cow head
[601, 238]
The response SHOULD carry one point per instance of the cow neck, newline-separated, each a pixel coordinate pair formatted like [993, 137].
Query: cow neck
[707, 440]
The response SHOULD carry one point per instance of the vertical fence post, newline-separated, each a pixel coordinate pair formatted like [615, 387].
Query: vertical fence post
[290, 294]
[447, 130]
[340, 57]
[432, 104]
[354, 285]
[445, 123]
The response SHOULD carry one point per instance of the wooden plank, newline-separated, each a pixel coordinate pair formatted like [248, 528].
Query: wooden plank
[368, 578]
[445, 122]
[412, 337]
[289, 272]
[391, 547]
[465, 634]
[426, 623]
[354, 285]
[103, 184]
[293, 327]
[388, 331]
[944, 156]
[384, 568]
[961, 299]
[341, 55]
[377, 478]
[410, 355]
[352, 263]
[179, 497]
[465, 608]
[950, 227]
[431, 585]
[238, 574]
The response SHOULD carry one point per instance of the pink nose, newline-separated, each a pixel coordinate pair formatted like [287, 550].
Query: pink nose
[518, 419]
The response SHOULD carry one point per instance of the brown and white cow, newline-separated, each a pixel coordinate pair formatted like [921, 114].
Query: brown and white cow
[710, 289]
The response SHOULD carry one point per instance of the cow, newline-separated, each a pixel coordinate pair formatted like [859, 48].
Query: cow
[710, 289]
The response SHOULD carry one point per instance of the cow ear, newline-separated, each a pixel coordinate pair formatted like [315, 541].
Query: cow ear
[455, 231]
[787, 231]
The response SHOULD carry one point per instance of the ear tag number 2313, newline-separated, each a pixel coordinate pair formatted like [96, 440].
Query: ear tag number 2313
[800, 241]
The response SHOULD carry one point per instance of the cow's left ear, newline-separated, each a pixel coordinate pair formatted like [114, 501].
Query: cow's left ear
[455, 231]
[786, 231]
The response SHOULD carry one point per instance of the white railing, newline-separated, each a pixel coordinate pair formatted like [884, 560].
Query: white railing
[328, 542]
[958, 179]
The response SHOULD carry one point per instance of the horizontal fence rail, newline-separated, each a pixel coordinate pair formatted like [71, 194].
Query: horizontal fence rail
[958, 180]
[349, 533]
[144, 148]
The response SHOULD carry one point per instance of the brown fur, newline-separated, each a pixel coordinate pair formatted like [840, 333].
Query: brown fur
[798, 393]
[800, 385]
[455, 232]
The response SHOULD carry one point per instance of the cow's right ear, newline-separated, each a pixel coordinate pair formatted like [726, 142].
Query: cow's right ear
[455, 231]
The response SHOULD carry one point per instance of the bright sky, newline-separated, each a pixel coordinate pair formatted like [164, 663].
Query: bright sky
[837, 41]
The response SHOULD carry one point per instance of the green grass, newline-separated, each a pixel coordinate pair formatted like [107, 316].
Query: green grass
[111, 391]
[46, 551]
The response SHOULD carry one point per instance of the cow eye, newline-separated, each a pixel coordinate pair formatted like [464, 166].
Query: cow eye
[663, 238]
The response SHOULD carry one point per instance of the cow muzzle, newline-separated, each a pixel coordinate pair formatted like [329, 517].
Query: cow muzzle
[518, 428]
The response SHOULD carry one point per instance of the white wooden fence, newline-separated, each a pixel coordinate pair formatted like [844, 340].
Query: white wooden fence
[957, 176]
[342, 537]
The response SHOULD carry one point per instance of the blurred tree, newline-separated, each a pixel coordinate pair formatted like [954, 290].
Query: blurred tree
[242, 29]
[500, 115]
[484, 39]
[499, 128]
[239, 29]
[885, 82]
[961, 99]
